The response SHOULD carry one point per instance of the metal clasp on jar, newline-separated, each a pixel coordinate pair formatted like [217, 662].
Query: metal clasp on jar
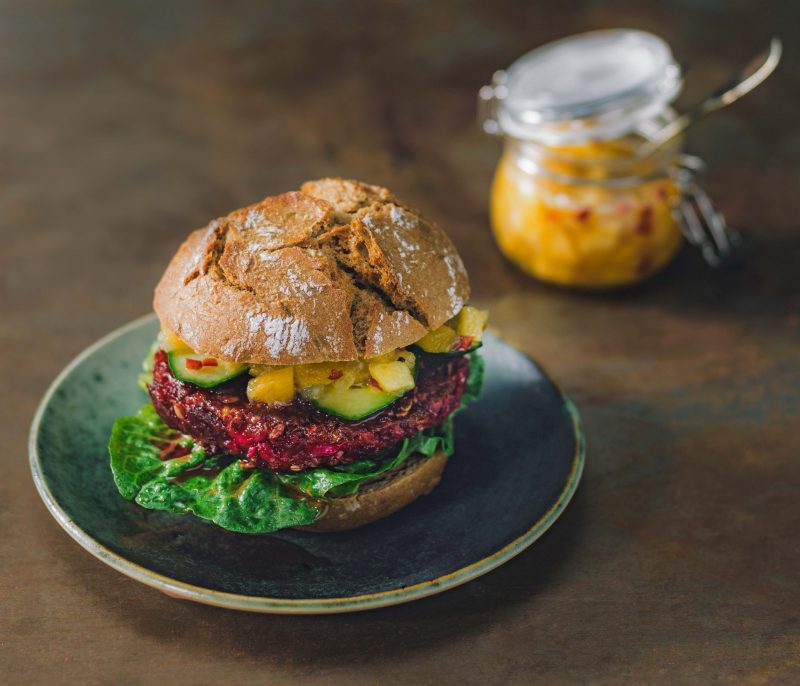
[703, 225]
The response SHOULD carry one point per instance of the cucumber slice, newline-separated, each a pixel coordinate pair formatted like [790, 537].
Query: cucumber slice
[449, 353]
[205, 376]
[456, 353]
[352, 403]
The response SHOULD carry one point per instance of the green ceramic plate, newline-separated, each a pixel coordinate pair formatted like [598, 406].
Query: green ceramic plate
[519, 457]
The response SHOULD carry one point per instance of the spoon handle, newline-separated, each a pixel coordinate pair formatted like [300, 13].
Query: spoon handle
[741, 83]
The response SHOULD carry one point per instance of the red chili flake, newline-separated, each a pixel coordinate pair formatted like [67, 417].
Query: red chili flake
[645, 225]
[584, 214]
[193, 364]
[464, 342]
[210, 362]
[374, 383]
[662, 192]
[335, 374]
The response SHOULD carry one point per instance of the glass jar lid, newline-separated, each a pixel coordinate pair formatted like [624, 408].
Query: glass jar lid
[599, 85]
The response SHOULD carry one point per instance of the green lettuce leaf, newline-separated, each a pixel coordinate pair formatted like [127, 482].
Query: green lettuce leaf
[236, 498]
[474, 382]
[242, 499]
[214, 488]
[136, 447]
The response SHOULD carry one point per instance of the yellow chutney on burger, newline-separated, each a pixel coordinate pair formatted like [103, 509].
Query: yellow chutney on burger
[314, 350]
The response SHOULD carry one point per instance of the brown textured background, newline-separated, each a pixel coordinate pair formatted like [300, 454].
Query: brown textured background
[124, 126]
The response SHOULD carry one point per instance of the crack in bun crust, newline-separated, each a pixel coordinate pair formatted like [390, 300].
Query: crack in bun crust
[336, 271]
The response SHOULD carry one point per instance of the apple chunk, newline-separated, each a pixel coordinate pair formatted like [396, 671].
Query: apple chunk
[392, 377]
[272, 386]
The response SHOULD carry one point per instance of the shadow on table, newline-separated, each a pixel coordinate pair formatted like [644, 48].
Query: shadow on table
[764, 282]
[331, 640]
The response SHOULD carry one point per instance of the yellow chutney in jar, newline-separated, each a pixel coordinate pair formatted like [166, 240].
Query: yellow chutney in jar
[572, 202]
[571, 222]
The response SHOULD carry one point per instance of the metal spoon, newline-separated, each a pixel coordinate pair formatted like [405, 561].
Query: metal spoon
[758, 69]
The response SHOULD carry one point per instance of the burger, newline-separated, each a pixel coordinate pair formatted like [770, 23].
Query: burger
[314, 350]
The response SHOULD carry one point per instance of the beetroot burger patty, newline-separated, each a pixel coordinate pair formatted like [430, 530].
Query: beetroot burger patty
[297, 436]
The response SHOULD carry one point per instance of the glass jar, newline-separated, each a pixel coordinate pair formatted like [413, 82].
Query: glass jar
[584, 215]
[572, 203]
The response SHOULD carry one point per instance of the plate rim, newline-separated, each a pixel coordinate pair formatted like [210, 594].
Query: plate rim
[263, 604]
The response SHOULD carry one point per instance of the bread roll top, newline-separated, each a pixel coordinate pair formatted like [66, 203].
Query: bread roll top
[336, 271]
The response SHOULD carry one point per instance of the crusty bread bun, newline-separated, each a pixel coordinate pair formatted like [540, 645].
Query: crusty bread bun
[336, 271]
[382, 497]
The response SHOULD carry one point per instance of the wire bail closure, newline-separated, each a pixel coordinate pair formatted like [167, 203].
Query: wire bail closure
[702, 224]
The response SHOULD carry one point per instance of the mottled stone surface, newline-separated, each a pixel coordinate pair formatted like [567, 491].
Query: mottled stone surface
[124, 127]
